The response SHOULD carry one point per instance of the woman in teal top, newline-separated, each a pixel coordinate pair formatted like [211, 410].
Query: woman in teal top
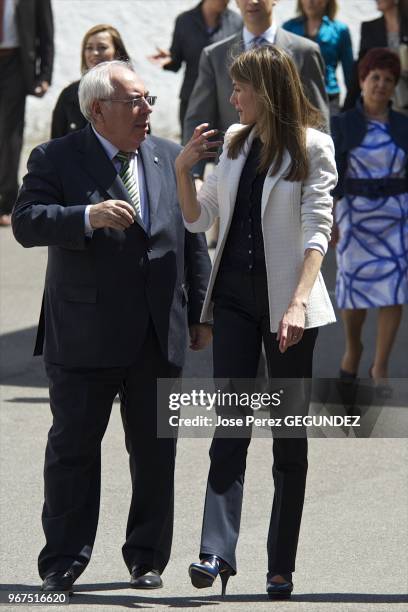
[316, 21]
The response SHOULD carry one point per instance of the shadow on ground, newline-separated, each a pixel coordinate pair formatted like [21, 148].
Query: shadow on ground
[82, 597]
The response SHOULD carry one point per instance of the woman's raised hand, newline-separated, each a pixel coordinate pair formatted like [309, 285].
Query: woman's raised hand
[198, 148]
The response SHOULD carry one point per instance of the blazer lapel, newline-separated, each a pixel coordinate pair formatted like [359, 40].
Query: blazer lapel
[270, 181]
[233, 175]
[153, 169]
[235, 171]
[283, 41]
[100, 167]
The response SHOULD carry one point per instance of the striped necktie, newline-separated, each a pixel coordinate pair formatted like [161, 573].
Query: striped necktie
[258, 41]
[129, 181]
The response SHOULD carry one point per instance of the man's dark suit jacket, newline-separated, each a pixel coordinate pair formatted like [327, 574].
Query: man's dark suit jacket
[36, 35]
[100, 292]
[191, 36]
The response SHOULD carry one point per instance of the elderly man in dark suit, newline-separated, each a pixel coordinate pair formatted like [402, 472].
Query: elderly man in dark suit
[26, 59]
[122, 280]
[209, 101]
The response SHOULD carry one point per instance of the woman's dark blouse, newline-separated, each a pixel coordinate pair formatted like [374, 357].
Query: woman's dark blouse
[67, 116]
[244, 248]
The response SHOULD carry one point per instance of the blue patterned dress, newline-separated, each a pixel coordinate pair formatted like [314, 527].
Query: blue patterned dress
[372, 253]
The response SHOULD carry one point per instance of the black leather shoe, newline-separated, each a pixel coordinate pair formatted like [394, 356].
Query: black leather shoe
[58, 581]
[280, 590]
[143, 577]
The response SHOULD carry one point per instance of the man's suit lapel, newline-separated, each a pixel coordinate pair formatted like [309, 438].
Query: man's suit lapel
[235, 47]
[153, 170]
[284, 41]
[100, 167]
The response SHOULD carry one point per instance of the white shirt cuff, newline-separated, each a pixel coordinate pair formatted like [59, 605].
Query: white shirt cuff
[88, 227]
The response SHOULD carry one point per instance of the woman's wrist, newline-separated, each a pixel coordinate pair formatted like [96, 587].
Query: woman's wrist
[181, 169]
[298, 302]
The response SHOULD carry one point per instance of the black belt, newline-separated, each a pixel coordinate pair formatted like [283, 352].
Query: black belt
[375, 188]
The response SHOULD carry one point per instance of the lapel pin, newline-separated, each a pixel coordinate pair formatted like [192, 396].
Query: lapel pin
[156, 160]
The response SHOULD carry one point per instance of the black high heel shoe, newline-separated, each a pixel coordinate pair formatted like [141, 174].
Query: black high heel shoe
[204, 573]
[280, 590]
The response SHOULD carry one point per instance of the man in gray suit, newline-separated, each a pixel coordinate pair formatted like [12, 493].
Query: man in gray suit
[209, 101]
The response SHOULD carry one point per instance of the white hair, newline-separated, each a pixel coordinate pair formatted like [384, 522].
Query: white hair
[96, 84]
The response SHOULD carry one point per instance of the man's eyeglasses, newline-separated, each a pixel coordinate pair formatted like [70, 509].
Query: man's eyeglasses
[135, 102]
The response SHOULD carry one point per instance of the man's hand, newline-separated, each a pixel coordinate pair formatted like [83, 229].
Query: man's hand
[200, 336]
[41, 89]
[161, 58]
[116, 214]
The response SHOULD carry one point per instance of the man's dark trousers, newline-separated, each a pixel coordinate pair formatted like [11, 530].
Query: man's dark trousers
[12, 106]
[81, 402]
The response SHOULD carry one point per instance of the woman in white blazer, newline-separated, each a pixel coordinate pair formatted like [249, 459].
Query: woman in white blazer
[271, 192]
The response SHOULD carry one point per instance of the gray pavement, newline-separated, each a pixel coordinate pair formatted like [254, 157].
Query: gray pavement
[353, 547]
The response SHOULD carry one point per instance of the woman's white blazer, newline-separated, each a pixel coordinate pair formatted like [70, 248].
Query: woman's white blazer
[295, 216]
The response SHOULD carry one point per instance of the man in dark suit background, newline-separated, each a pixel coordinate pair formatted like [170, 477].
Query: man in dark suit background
[122, 274]
[26, 60]
[206, 23]
[209, 101]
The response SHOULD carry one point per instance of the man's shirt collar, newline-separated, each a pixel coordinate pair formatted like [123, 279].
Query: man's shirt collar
[269, 35]
[110, 149]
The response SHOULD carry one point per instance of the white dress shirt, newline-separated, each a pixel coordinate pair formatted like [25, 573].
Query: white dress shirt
[269, 35]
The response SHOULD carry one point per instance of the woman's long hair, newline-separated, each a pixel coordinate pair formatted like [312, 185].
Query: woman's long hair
[330, 10]
[120, 49]
[284, 111]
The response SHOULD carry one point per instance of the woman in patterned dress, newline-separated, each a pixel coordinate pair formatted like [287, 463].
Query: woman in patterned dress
[371, 143]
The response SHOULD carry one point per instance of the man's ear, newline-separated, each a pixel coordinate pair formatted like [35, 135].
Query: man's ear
[97, 112]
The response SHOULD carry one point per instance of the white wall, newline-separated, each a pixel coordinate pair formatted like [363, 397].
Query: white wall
[142, 24]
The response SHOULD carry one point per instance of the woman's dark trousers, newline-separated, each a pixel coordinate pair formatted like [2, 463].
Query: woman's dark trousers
[241, 323]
